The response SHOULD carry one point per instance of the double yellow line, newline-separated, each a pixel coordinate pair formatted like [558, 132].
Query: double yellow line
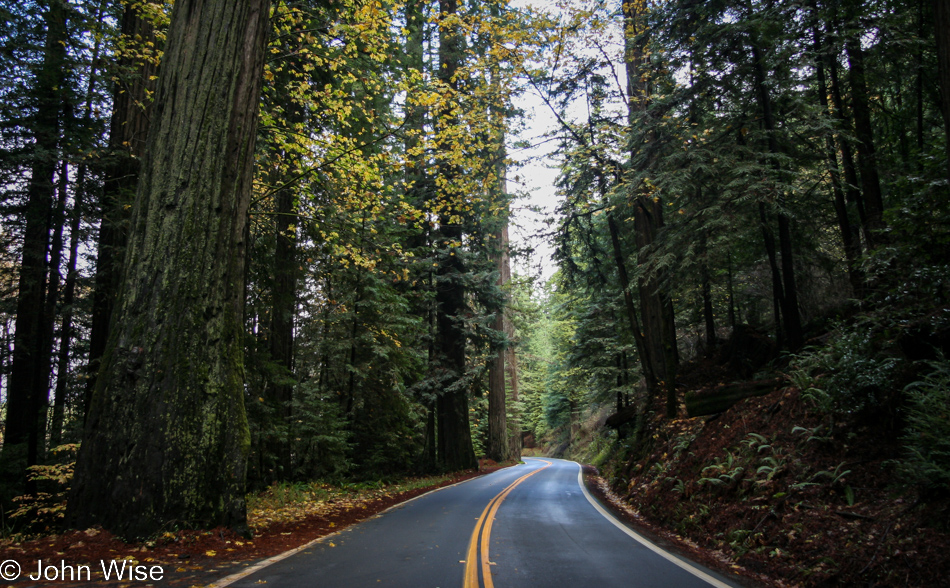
[483, 527]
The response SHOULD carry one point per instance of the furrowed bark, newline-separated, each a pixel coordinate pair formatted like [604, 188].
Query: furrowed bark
[131, 113]
[166, 440]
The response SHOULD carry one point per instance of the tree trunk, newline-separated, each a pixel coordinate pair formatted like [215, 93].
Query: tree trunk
[659, 330]
[66, 329]
[514, 420]
[499, 428]
[499, 448]
[732, 295]
[454, 436]
[708, 318]
[281, 331]
[26, 404]
[69, 289]
[166, 440]
[852, 193]
[864, 133]
[787, 295]
[793, 321]
[849, 238]
[656, 309]
[941, 10]
[919, 86]
[778, 292]
[45, 358]
[646, 359]
[131, 113]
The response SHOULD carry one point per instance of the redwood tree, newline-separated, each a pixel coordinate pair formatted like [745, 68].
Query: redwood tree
[454, 438]
[29, 381]
[131, 113]
[166, 438]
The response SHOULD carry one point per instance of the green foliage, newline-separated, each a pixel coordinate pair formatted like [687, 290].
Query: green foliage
[856, 370]
[321, 441]
[722, 472]
[927, 436]
[45, 510]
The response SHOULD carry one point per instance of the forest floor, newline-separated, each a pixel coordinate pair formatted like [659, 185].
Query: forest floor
[784, 494]
[282, 518]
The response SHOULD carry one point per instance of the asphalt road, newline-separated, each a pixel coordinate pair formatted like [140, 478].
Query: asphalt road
[532, 525]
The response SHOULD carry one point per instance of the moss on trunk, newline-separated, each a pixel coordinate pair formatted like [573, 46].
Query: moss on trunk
[166, 440]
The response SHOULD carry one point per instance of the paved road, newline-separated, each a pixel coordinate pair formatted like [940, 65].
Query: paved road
[532, 525]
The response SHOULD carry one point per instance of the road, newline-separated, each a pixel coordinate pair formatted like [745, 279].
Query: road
[533, 525]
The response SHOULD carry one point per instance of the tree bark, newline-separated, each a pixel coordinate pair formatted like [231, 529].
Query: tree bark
[45, 357]
[66, 328]
[131, 113]
[659, 330]
[514, 421]
[709, 319]
[851, 190]
[646, 359]
[778, 292]
[864, 133]
[500, 434]
[166, 440]
[499, 449]
[281, 331]
[941, 11]
[69, 288]
[453, 434]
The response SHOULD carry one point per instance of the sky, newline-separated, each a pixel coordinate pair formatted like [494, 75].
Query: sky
[534, 179]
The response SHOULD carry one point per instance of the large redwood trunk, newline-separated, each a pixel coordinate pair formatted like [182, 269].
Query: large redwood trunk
[128, 131]
[166, 439]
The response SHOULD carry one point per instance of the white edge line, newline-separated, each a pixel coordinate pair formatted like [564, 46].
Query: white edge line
[643, 540]
[228, 580]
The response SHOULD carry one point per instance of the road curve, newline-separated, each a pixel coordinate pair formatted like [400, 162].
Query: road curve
[532, 525]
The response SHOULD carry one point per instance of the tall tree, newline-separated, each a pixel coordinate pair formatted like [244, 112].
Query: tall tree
[166, 438]
[453, 435]
[785, 288]
[941, 10]
[131, 112]
[499, 446]
[656, 305]
[29, 392]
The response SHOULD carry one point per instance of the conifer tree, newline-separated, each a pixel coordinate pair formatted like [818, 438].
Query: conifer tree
[166, 438]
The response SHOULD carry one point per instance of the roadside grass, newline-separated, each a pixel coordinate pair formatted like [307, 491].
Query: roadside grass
[291, 501]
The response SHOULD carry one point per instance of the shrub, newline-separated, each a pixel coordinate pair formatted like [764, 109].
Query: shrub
[852, 373]
[927, 438]
[46, 509]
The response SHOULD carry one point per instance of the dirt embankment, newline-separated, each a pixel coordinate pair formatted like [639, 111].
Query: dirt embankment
[788, 494]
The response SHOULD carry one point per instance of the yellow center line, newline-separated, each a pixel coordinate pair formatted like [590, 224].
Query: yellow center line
[484, 525]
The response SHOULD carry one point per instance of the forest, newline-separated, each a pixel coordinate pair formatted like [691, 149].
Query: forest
[256, 243]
